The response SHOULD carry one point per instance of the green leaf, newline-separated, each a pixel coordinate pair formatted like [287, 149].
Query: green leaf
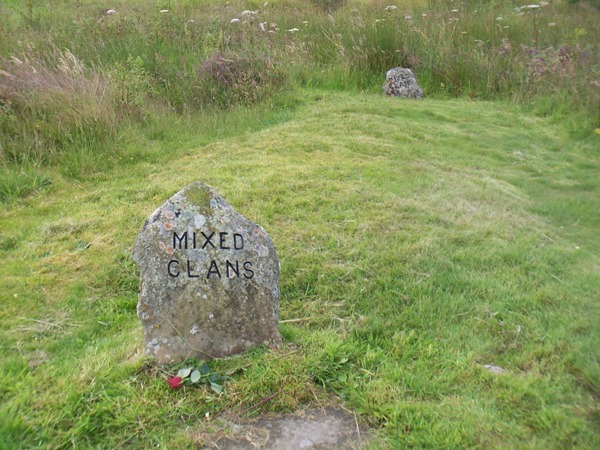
[216, 387]
[204, 369]
[184, 373]
[195, 376]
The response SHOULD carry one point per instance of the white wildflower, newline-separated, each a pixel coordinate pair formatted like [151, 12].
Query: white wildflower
[305, 22]
[407, 17]
[235, 20]
[293, 30]
[532, 6]
[110, 11]
[262, 26]
[424, 15]
[552, 24]
[191, 21]
[391, 8]
[272, 31]
[247, 12]
[499, 18]
[164, 11]
[454, 10]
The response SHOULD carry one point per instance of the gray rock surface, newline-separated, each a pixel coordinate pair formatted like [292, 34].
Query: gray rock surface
[310, 430]
[494, 369]
[400, 82]
[208, 279]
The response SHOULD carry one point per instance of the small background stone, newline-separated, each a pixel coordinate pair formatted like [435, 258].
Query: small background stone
[400, 82]
[494, 369]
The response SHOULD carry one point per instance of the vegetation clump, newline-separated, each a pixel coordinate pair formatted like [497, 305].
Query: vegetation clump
[227, 80]
[48, 108]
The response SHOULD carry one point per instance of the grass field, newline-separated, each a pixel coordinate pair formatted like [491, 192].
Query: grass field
[419, 241]
[75, 81]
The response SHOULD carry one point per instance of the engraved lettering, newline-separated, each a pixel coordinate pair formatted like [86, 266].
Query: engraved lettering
[189, 271]
[248, 272]
[173, 261]
[235, 270]
[208, 240]
[236, 245]
[219, 240]
[222, 237]
[183, 238]
[213, 269]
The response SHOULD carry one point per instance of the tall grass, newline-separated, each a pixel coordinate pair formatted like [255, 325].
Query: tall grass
[49, 106]
[486, 50]
[79, 75]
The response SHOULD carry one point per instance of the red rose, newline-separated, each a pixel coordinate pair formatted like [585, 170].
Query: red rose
[175, 382]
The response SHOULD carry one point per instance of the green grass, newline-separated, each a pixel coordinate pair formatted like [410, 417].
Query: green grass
[418, 241]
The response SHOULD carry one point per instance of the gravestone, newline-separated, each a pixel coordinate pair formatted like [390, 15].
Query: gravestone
[208, 279]
[400, 82]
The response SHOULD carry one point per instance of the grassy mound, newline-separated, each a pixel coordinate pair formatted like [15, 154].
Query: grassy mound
[80, 77]
[419, 241]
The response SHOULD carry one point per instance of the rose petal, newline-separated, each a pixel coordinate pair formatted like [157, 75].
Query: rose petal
[175, 382]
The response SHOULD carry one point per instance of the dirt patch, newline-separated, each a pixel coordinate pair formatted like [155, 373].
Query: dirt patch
[314, 429]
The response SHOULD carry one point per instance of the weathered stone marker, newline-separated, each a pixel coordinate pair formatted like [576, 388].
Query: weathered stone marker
[208, 279]
[400, 82]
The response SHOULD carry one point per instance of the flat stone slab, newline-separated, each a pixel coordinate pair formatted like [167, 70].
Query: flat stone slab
[208, 279]
[313, 429]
